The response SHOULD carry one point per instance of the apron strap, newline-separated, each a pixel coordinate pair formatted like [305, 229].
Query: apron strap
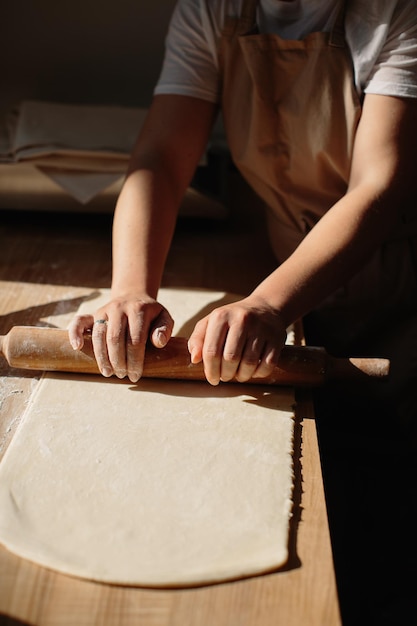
[248, 15]
[337, 35]
[243, 24]
[247, 21]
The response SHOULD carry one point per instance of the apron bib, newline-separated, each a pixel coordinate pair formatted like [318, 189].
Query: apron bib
[290, 112]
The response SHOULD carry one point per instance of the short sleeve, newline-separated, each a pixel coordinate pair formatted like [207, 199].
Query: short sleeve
[191, 65]
[395, 70]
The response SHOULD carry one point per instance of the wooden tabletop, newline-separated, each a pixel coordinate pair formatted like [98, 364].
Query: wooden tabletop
[49, 263]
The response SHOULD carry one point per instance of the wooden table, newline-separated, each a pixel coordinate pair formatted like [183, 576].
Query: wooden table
[48, 264]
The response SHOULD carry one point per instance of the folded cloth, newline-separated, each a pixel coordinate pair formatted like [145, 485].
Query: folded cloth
[86, 137]
[82, 148]
[82, 186]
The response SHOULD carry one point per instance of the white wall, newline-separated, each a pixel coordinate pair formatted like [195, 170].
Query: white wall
[84, 51]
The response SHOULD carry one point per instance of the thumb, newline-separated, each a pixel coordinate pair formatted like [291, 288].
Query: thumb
[77, 328]
[196, 341]
[162, 329]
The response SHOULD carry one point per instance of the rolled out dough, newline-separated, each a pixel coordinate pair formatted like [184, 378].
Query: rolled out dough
[160, 483]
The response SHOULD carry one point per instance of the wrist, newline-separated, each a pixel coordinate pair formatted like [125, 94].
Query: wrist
[136, 287]
[261, 304]
[263, 301]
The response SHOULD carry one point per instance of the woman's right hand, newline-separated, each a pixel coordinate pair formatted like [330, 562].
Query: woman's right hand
[120, 330]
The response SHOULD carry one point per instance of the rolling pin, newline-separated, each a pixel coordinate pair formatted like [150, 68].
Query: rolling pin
[48, 349]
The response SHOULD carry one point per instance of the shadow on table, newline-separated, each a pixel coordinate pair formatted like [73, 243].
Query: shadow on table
[33, 315]
[6, 620]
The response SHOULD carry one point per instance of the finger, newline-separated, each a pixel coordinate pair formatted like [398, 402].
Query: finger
[250, 359]
[139, 328]
[135, 355]
[116, 341]
[213, 348]
[138, 331]
[161, 330]
[136, 337]
[196, 341]
[268, 362]
[232, 354]
[77, 328]
[98, 337]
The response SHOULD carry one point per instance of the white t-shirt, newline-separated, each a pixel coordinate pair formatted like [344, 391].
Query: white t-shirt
[381, 34]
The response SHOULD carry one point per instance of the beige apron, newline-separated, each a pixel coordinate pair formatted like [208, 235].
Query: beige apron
[291, 111]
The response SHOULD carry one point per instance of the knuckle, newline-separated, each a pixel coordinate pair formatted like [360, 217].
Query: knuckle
[135, 337]
[220, 316]
[264, 370]
[199, 328]
[254, 345]
[231, 356]
[113, 338]
[242, 377]
[211, 353]
[243, 316]
[166, 317]
[250, 362]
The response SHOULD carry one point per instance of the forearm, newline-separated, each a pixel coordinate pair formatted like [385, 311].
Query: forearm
[382, 179]
[167, 152]
[143, 227]
[244, 339]
[336, 248]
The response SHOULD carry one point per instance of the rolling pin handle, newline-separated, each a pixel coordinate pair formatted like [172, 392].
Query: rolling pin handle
[358, 368]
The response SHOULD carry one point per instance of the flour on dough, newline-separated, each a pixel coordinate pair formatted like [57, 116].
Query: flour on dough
[160, 483]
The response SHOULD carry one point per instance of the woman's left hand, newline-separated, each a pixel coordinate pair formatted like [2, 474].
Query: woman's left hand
[241, 340]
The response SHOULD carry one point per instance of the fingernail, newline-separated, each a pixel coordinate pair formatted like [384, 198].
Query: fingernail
[161, 337]
[193, 356]
[76, 343]
[106, 371]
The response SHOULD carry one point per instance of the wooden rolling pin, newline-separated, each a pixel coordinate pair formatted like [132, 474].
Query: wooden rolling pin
[36, 348]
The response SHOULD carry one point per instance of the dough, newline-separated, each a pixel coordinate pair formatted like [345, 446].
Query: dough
[160, 483]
